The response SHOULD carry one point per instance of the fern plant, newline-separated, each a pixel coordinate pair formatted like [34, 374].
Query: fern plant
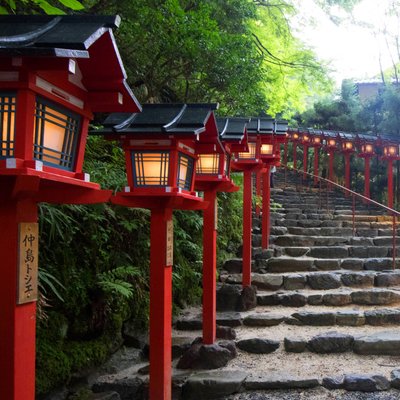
[114, 282]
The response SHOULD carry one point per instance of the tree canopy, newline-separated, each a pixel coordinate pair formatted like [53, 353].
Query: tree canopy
[240, 53]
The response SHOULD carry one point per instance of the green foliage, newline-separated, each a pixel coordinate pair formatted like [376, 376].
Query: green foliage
[52, 7]
[48, 282]
[53, 367]
[114, 282]
[239, 53]
[230, 211]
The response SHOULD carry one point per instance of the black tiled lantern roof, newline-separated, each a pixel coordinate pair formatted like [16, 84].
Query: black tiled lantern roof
[86, 39]
[46, 35]
[232, 129]
[168, 119]
[260, 125]
[366, 137]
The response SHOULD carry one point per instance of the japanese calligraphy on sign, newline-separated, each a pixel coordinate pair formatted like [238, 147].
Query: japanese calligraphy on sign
[170, 243]
[27, 263]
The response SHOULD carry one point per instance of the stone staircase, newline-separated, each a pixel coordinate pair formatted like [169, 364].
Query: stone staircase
[324, 323]
[328, 302]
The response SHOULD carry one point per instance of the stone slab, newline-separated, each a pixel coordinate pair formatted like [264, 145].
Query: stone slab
[213, 385]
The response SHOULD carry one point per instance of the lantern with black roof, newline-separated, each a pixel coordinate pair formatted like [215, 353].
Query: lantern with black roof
[316, 143]
[366, 145]
[248, 162]
[295, 138]
[273, 133]
[213, 177]
[267, 154]
[331, 146]
[54, 73]
[161, 146]
[347, 143]
[390, 146]
[305, 140]
[280, 137]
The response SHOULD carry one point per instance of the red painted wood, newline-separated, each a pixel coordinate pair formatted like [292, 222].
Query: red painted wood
[81, 145]
[331, 176]
[285, 153]
[160, 307]
[316, 164]
[24, 124]
[258, 190]
[390, 183]
[209, 267]
[294, 155]
[305, 161]
[17, 323]
[247, 222]
[265, 225]
[366, 177]
[347, 171]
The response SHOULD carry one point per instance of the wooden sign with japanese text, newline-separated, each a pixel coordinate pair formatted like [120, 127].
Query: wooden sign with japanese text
[170, 243]
[28, 250]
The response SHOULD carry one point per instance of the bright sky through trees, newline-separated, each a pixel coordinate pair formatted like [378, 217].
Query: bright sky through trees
[354, 45]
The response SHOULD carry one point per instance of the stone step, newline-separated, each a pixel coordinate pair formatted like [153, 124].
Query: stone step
[330, 298]
[318, 280]
[291, 264]
[280, 320]
[366, 228]
[337, 230]
[317, 241]
[368, 251]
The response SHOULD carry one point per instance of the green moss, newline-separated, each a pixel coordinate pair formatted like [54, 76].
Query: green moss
[86, 354]
[53, 367]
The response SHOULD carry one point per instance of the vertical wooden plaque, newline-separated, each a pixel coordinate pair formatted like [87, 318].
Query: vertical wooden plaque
[170, 243]
[28, 251]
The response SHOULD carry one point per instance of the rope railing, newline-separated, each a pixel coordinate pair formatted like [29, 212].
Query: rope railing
[330, 184]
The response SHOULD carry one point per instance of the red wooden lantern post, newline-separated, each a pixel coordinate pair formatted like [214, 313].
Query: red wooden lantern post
[390, 153]
[348, 148]
[269, 148]
[248, 162]
[49, 87]
[367, 151]
[259, 177]
[331, 147]
[295, 138]
[305, 141]
[271, 157]
[212, 176]
[285, 150]
[316, 142]
[160, 146]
